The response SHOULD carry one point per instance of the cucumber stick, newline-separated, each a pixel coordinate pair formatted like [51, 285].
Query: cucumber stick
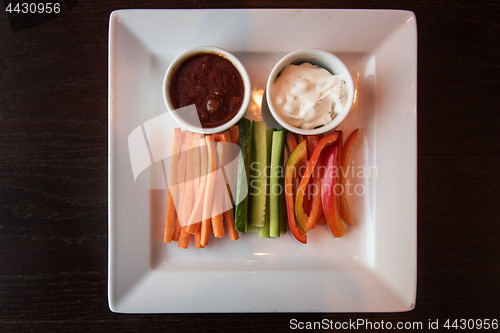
[241, 209]
[276, 190]
[283, 216]
[264, 231]
[258, 181]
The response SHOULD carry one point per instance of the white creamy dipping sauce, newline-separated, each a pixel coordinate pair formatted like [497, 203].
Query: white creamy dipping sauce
[308, 96]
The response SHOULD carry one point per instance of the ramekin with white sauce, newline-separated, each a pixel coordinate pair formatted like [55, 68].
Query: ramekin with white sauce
[310, 91]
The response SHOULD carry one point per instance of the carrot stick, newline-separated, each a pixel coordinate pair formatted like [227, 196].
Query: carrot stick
[197, 239]
[172, 191]
[209, 188]
[222, 152]
[226, 136]
[222, 137]
[218, 199]
[235, 134]
[231, 229]
[177, 230]
[184, 239]
[188, 201]
[193, 228]
[181, 174]
[218, 226]
[196, 214]
[205, 230]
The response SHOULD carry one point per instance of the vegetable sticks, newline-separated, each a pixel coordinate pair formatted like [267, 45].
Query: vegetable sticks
[346, 152]
[181, 174]
[231, 230]
[184, 239]
[235, 134]
[195, 219]
[188, 199]
[218, 200]
[275, 187]
[171, 215]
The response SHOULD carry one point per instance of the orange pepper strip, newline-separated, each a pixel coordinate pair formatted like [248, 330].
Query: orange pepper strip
[299, 199]
[344, 205]
[297, 157]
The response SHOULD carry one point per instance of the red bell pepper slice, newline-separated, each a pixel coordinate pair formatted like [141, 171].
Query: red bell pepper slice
[299, 199]
[312, 203]
[297, 158]
[291, 141]
[344, 159]
[330, 194]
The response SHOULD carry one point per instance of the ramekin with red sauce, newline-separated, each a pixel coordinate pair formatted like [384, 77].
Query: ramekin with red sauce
[214, 81]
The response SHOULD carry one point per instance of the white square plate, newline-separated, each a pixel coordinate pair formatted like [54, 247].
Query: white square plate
[371, 268]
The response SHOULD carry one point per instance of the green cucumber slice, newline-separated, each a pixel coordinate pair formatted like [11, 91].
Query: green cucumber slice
[264, 231]
[241, 209]
[275, 188]
[258, 180]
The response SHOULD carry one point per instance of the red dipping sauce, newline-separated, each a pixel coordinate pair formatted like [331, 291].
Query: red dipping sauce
[213, 84]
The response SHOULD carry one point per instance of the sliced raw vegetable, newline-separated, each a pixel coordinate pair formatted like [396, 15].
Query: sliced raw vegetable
[264, 231]
[314, 193]
[222, 153]
[184, 238]
[209, 188]
[172, 192]
[299, 199]
[344, 205]
[316, 203]
[177, 230]
[299, 138]
[229, 218]
[297, 159]
[205, 231]
[201, 163]
[197, 239]
[245, 136]
[188, 199]
[218, 195]
[252, 229]
[275, 187]
[291, 142]
[258, 183]
[331, 199]
[235, 134]
[181, 174]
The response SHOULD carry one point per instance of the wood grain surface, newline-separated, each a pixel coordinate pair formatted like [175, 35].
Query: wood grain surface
[53, 170]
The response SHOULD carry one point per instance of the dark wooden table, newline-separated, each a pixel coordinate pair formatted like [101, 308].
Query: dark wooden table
[53, 170]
